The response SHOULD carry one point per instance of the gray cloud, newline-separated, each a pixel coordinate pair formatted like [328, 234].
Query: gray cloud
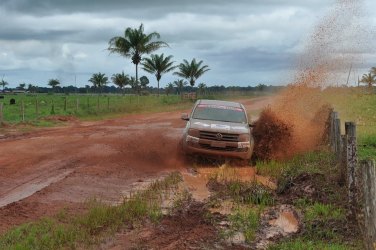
[240, 40]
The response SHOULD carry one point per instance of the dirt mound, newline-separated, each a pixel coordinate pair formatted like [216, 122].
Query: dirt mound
[272, 136]
[186, 229]
[61, 118]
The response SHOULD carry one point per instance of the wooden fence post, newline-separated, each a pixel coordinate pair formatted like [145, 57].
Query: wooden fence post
[77, 104]
[1, 114]
[52, 107]
[369, 190]
[108, 103]
[337, 133]
[351, 163]
[343, 162]
[333, 117]
[36, 107]
[23, 110]
[65, 104]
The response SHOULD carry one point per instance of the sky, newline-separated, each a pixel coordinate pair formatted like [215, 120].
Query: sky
[244, 42]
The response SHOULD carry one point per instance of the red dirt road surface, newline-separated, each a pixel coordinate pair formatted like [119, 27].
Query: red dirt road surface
[51, 169]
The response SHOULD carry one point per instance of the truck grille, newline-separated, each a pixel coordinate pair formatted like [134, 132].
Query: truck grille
[227, 148]
[215, 136]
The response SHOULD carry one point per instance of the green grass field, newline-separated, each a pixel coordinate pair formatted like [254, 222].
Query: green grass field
[358, 107]
[91, 106]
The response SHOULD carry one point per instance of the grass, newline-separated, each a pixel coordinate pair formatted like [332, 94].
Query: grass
[91, 106]
[323, 212]
[358, 106]
[299, 244]
[101, 220]
[245, 220]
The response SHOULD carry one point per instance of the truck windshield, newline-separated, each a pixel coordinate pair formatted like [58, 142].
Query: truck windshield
[219, 113]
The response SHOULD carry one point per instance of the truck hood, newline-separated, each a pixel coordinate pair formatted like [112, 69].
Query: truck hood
[217, 126]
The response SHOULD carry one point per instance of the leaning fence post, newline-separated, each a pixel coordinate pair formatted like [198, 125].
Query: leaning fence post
[1, 114]
[351, 163]
[369, 198]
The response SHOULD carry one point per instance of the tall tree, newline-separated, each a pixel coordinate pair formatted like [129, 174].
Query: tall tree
[158, 65]
[135, 43]
[53, 83]
[201, 88]
[180, 85]
[3, 84]
[191, 71]
[138, 85]
[369, 79]
[99, 80]
[169, 88]
[144, 81]
[32, 88]
[121, 80]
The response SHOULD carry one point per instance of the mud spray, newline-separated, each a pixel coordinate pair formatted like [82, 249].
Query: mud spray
[296, 121]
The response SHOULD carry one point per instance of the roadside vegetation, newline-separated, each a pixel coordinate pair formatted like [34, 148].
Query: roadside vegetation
[358, 105]
[93, 226]
[48, 109]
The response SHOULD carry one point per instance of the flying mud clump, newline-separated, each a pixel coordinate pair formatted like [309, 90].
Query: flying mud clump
[272, 136]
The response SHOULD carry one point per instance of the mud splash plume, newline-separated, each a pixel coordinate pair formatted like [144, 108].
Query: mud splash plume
[331, 50]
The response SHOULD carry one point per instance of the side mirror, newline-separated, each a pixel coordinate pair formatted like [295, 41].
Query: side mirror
[185, 117]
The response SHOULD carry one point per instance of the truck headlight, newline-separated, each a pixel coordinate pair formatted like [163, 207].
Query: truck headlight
[244, 138]
[194, 132]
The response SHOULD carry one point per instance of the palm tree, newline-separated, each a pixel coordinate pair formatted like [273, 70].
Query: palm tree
[134, 44]
[99, 80]
[368, 79]
[201, 88]
[180, 85]
[121, 80]
[3, 84]
[191, 71]
[158, 65]
[53, 83]
[373, 71]
[169, 88]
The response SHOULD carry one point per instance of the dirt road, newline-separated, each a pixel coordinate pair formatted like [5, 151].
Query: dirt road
[50, 169]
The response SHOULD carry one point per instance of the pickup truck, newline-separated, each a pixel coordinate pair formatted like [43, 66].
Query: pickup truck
[219, 129]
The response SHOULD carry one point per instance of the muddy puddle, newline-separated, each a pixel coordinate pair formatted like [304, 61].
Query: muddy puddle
[197, 179]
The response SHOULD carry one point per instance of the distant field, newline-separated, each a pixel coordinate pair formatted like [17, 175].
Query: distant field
[359, 107]
[91, 106]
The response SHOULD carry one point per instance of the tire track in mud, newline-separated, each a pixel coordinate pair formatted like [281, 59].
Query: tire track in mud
[37, 182]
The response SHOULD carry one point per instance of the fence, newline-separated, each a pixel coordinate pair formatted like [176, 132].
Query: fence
[359, 178]
[32, 107]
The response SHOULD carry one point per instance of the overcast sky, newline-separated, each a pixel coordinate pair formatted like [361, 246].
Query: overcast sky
[244, 42]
